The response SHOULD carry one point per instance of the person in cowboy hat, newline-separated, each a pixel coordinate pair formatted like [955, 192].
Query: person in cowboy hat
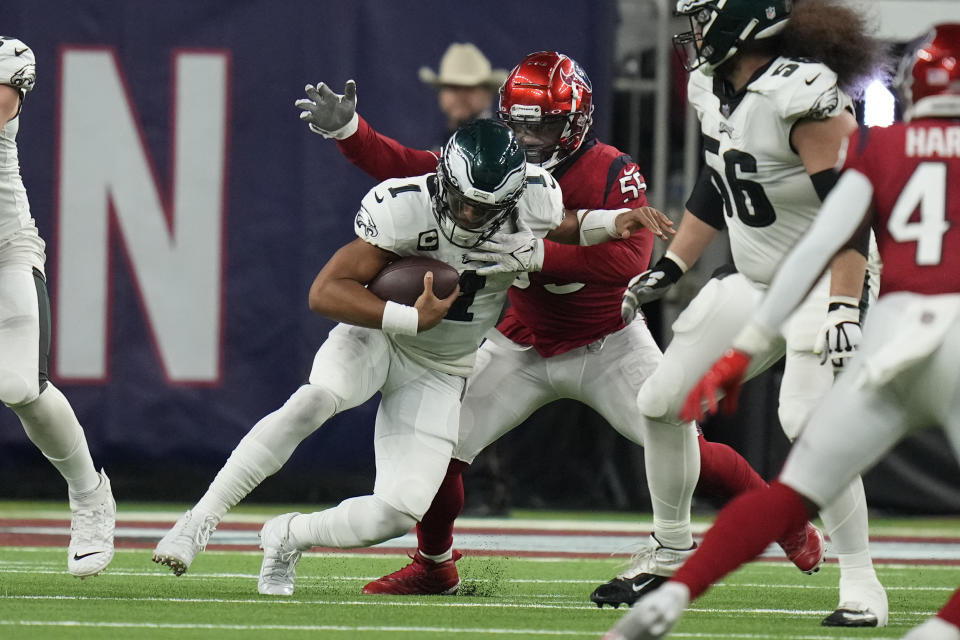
[466, 84]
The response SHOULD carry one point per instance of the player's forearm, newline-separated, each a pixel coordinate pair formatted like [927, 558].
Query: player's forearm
[382, 157]
[847, 271]
[346, 300]
[693, 237]
[611, 263]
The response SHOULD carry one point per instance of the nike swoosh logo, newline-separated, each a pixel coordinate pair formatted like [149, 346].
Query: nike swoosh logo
[86, 555]
[812, 80]
[637, 588]
[17, 52]
[377, 197]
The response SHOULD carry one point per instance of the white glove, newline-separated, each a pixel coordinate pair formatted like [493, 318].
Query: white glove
[328, 113]
[509, 253]
[840, 334]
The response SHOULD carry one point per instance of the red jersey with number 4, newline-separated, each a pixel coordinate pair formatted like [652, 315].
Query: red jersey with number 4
[575, 299]
[915, 172]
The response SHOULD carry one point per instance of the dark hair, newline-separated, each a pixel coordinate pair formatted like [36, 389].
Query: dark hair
[840, 37]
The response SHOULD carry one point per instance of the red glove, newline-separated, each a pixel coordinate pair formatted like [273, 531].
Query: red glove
[725, 375]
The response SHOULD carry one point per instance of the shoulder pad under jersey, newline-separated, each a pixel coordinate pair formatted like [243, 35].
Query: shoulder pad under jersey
[802, 89]
[17, 64]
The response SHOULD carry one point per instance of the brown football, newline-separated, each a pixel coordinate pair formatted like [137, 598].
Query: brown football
[402, 280]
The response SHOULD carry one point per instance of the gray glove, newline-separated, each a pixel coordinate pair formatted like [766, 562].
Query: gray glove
[648, 286]
[329, 113]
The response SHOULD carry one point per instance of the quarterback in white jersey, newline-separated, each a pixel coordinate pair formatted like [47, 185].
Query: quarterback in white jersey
[397, 216]
[773, 121]
[418, 357]
[25, 387]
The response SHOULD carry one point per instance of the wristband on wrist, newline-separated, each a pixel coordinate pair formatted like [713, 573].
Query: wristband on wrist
[343, 132]
[599, 226]
[400, 319]
[677, 260]
[670, 267]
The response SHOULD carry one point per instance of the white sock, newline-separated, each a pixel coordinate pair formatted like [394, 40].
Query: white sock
[672, 459]
[52, 426]
[356, 522]
[243, 471]
[443, 557]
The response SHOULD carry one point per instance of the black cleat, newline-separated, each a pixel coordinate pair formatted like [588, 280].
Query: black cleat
[850, 618]
[626, 591]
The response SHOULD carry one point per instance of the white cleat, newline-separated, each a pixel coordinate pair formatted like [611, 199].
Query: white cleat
[934, 629]
[188, 537]
[863, 603]
[280, 557]
[654, 615]
[92, 522]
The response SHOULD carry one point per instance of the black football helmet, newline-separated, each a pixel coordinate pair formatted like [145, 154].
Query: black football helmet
[718, 28]
[481, 175]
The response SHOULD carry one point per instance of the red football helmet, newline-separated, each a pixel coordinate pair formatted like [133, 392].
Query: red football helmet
[548, 102]
[930, 75]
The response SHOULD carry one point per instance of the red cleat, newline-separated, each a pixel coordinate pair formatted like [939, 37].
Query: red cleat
[805, 548]
[421, 577]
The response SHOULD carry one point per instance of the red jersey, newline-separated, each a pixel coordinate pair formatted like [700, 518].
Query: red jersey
[915, 171]
[575, 299]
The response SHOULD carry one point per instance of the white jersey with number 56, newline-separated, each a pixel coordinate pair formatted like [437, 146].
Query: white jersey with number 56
[769, 200]
[398, 216]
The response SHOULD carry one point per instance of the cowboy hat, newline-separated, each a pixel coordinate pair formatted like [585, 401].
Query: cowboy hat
[464, 65]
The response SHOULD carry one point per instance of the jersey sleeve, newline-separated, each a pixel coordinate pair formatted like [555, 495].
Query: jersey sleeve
[608, 263]
[626, 186]
[806, 90]
[18, 67]
[383, 157]
[375, 223]
[546, 201]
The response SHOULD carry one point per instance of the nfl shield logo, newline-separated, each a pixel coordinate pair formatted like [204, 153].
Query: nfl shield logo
[771, 13]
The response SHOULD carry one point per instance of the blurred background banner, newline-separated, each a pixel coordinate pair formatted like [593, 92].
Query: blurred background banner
[187, 210]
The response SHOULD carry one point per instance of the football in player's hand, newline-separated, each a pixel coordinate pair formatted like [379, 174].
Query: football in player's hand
[402, 280]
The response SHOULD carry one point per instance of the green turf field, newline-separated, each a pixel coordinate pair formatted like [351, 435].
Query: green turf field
[501, 597]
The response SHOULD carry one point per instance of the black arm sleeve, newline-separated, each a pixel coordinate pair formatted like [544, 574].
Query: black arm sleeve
[823, 182]
[706, 203]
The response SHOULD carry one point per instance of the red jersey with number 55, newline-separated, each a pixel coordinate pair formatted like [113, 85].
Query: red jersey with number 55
[915, 172]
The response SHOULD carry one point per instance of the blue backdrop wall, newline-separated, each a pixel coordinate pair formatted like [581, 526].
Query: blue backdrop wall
[187, 209]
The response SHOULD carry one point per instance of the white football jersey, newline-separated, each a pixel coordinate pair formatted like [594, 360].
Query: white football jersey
[398, 216]
[18, 70]
[769, 200]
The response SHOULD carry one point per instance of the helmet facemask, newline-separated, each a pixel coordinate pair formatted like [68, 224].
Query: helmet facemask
[480, 179]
